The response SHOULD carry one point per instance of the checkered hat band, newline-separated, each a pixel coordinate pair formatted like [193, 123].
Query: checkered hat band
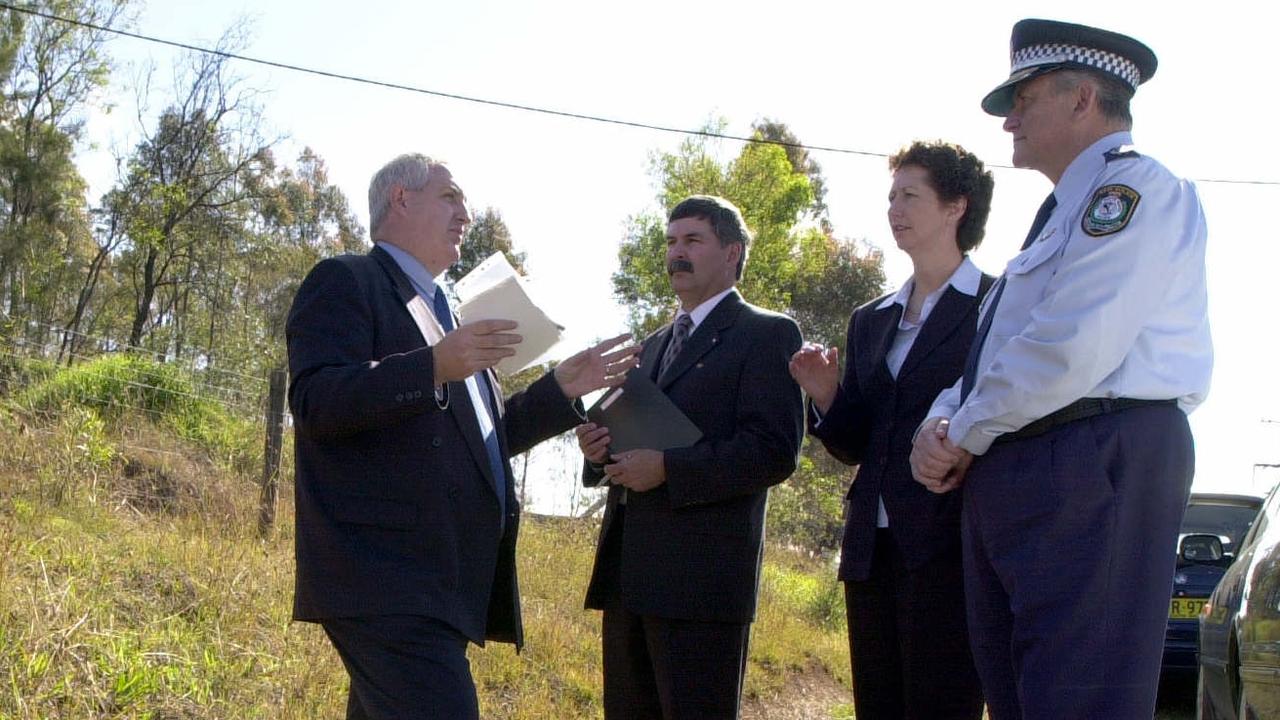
[1053, 53]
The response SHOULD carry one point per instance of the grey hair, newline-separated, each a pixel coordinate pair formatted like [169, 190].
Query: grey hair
[1113, 93]
[411, 171]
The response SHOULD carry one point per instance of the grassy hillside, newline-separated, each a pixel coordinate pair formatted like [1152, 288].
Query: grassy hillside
[133, 583]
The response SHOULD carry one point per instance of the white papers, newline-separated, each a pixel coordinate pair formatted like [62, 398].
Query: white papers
[493, 291]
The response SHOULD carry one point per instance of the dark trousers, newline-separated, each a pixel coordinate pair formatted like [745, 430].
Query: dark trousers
[908, 639]
[1070, 540]
[404, 666]
[663, 669]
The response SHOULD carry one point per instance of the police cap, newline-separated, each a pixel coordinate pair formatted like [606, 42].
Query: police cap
[1041, 46]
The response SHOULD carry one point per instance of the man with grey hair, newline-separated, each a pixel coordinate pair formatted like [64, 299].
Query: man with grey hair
[1068, 427]
[678, 562]
[406, 513]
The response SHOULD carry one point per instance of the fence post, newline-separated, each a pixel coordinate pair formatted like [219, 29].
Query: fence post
[271, 456]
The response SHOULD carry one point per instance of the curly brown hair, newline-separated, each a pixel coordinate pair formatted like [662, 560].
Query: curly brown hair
[954, 173]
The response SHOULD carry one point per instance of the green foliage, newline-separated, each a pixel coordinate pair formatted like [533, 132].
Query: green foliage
[487, 235]
[800, 159]
[837, 276]
[807, 510]
[50, 72]
[794, 266]
[116, 385]
[18, 372]
[640, 284]
[815, 596]
[108, 613]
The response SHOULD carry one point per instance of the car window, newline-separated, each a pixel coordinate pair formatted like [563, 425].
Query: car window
[1264, 517]
[1229, 522]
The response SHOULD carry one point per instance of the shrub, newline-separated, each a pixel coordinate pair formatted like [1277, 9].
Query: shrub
[117, 385]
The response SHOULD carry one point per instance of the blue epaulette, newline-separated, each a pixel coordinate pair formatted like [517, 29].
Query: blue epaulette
[1120, 154]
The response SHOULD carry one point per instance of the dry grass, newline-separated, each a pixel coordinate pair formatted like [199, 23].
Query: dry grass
[133, 585]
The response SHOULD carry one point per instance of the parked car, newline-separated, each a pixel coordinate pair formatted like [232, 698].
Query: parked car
[1240, 629]
[1226, 518]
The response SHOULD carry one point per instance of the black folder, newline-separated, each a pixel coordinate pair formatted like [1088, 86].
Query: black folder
[639, 415]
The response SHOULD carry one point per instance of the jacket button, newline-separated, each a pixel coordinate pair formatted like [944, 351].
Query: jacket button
[435, 441]
[453, 491]
[399, 397]
[417, 393]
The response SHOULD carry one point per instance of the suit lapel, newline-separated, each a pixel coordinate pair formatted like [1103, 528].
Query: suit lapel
[881, 334]
[400, 282]
[943, 320]
[704, 338]
[460, 406]
[651, 355]
[953, 309]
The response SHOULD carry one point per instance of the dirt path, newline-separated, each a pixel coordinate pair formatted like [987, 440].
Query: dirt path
[811, 695]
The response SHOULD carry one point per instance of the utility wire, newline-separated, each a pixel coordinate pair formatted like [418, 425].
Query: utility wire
[494, 103]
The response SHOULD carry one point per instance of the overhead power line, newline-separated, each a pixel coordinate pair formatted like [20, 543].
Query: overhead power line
[494, 103]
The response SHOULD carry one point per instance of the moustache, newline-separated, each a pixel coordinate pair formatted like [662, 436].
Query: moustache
[676, 266]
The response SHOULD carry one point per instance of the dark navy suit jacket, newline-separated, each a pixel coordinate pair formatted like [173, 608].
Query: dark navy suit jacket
[872, 421]
[691, 548]
[397, 511]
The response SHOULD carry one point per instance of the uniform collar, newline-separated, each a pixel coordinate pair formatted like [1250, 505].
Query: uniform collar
[1079, 176]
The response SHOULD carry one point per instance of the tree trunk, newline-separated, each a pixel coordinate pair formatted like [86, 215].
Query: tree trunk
[146, 294]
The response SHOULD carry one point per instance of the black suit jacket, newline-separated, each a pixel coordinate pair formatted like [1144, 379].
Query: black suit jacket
[397, 511]
[873, 418]
[691, 548]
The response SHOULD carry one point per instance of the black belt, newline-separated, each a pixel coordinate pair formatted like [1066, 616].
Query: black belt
[1078, 410]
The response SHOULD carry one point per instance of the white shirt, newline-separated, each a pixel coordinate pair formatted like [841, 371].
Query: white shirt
[967, 279]
[1117, 313]
[704, 308]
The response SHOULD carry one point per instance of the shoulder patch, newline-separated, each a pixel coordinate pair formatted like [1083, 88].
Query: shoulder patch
[1110, 210]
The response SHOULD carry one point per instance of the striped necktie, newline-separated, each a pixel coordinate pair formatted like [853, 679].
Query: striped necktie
[679, 333]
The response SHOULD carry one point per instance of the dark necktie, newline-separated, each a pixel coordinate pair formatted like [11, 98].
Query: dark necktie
[975, 350]
[679, 333]
[441, 306]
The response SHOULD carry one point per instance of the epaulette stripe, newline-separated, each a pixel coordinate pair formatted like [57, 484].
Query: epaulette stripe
[1117, 155]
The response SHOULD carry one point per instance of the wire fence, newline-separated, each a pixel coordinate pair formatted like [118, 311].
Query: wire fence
[240, 393]
[32, 351]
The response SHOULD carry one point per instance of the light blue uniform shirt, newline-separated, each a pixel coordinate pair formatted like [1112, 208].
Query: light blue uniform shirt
[1120, 313]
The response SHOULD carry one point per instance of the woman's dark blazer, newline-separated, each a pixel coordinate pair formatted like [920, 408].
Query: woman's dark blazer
[873, 418]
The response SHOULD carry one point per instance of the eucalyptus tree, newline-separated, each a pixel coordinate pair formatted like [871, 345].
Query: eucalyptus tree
[192, 168]
[52, 72]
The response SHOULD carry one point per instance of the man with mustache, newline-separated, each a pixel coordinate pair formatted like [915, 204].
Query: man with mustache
[678, 562]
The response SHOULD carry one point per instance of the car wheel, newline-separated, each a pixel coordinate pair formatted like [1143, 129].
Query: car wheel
[1244, 711]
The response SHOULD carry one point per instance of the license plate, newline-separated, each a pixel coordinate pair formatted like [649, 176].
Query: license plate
[1186, 608]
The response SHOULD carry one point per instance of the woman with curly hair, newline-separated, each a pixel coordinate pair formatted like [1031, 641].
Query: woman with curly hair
[900, 556]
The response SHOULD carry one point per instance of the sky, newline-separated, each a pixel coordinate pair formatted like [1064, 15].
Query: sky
[864, 76]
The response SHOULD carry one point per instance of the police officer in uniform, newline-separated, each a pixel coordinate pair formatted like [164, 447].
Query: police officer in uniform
[1068, 427]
